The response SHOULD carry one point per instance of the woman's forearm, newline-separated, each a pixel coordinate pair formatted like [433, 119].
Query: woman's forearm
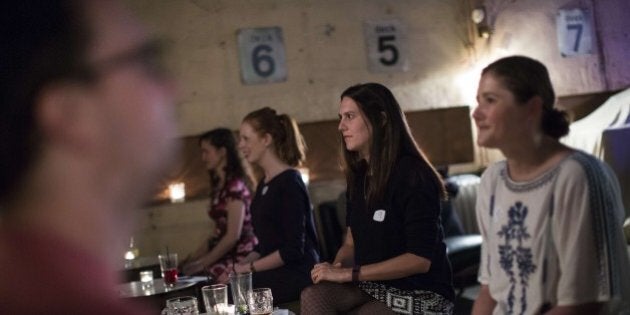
[222, 248]
[345, 256]
[395, 268]
[271, 261]
[201, 250]
[484, 304]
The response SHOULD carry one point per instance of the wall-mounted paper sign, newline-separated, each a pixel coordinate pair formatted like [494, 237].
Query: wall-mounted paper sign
[575, 32]
[386, 45]
[261, 54]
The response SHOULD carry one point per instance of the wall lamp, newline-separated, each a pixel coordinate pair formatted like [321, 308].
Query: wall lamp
[480, 18]
[177, 192]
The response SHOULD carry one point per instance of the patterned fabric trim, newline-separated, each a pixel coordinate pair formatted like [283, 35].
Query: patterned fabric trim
[602, 209]
[408, 302]
[530, 185]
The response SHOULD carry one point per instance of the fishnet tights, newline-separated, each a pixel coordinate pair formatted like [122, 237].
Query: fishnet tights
[334, 298]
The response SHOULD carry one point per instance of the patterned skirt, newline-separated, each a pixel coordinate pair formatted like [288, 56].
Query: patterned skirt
[408, 302]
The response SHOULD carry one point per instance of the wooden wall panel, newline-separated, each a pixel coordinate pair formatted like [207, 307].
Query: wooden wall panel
[445, 134]
[322, 157]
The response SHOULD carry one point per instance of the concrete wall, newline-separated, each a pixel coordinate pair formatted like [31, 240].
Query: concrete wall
[326, 52]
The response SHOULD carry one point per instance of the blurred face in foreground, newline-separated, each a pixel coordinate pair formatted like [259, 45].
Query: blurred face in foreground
[132, 99]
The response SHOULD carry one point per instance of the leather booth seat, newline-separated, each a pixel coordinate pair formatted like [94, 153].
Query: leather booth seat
[464, 253]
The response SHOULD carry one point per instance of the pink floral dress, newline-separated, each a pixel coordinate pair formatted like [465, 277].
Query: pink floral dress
[234, 189]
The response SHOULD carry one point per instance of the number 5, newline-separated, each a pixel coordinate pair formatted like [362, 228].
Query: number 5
[384, 46]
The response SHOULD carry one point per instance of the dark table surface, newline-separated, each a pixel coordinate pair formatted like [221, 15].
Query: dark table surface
[155, 287]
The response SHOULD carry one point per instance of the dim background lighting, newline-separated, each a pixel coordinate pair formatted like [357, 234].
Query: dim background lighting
[177, 192]
[304, 171]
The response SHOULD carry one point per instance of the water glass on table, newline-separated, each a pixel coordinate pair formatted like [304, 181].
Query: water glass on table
[146, 279]
[168, 266]
[183, 305]
[260, 301]
[215, 299]
[241, 285]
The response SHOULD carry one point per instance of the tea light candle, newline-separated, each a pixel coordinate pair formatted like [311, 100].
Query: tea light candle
[146, 276]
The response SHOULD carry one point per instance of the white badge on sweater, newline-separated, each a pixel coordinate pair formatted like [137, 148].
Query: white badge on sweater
[379, 215]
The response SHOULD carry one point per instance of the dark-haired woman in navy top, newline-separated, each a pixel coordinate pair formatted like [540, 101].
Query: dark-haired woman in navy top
[393, 258]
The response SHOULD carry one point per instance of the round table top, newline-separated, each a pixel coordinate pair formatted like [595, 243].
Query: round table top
[155, 287]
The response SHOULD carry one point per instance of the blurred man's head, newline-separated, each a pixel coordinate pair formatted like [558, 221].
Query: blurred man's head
[81, 81]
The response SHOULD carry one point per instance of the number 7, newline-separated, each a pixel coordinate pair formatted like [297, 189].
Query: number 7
[578, 35]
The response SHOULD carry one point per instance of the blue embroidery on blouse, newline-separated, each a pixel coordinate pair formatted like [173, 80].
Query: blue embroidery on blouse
[514, 233]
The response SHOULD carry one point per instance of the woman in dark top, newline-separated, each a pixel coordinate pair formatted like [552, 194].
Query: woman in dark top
[393, 259]
[281, 209]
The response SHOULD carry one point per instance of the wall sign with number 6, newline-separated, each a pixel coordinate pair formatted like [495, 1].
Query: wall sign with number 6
[262, 55]
[386, 42]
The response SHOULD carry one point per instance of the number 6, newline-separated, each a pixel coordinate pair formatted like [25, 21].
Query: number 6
[259, 58]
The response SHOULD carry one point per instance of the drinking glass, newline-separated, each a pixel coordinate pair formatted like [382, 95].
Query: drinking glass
[146, 279]
[215, 299]
[260, 301]
[241, 285]
[168, 266]
[183, 305]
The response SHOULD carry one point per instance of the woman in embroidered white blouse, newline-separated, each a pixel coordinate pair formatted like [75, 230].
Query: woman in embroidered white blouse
[550, 216]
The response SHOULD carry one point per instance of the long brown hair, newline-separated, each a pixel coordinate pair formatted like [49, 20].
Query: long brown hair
[288, 143]
[391, 138]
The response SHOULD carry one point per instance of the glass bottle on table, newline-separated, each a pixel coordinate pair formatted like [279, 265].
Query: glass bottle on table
[132, 252]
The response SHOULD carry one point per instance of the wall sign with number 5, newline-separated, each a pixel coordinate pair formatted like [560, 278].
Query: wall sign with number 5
[386, 45]
[261, 54]
[575, 34]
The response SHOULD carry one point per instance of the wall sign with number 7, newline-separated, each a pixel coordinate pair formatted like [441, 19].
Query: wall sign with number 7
[386, 42]
[261, 55]
[574, 29]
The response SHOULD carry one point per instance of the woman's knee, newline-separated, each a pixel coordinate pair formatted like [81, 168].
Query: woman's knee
[310, 292]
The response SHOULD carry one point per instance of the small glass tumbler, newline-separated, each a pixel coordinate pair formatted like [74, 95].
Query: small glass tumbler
[168, 266]
[183, 305]
[241, 285]
[260, 301]
[215, 299]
